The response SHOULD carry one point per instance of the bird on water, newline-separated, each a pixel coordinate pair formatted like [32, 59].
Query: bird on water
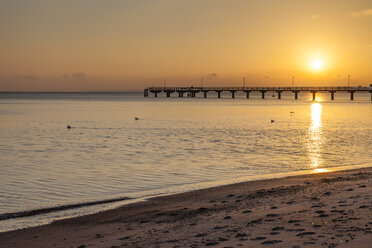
[68, 127]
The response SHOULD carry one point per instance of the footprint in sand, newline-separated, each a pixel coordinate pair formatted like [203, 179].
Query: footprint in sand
[271, 215]
[222, 239]
[252, 222]
[220, 227]
[323, 215]
[239, 235]
[309, 243]
[211, 243]
[258, 238]
[277, 228]
[338, 211]
[294, 221]
[124, 238]
[305, 234]
[271, 242]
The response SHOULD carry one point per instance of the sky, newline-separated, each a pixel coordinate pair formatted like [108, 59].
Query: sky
[112, 45]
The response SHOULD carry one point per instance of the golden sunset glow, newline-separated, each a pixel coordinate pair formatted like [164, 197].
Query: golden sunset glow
[317, 64]
[131, 45]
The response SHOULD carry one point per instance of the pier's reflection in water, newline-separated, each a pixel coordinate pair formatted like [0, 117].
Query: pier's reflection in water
[315, 139]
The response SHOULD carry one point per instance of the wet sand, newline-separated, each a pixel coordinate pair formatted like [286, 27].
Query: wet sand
[318, 210]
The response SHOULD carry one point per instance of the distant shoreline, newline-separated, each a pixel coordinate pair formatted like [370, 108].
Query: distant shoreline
[65, 92]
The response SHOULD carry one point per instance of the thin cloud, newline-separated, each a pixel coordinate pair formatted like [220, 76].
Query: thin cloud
[212, 75]
[79, 75]
[365, 12]
[29, 77]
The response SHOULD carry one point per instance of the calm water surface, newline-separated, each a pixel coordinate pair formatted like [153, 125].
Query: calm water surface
[175, 145]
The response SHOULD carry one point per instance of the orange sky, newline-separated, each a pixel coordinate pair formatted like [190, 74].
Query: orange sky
[95, 45]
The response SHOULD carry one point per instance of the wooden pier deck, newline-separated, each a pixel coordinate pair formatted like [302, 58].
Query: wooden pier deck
[192, 91]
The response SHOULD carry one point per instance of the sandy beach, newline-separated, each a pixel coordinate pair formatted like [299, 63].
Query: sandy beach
[318, 210]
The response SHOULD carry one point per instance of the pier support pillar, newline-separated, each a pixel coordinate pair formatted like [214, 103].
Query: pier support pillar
[371, 95]
[205, 94]
[279, 94]
[168, 94]
[156, 94]
[351, 95]
[146, 93]
[314, 95]
[332, 95]
[296, 94]
[219, 94]
[180, 94]
[263, 93]
[247, 92]
[232, 94]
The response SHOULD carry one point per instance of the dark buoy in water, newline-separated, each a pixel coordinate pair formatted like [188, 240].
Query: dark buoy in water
[68, 127]
[136, 118]
[272, 121]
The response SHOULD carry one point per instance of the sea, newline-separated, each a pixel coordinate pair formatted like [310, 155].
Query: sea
[123, 148]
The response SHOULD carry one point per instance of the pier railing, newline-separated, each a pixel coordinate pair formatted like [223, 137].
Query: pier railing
[192, 91]
[321, 88]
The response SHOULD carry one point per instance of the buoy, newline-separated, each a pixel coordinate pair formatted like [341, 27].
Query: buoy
[68, 127]
[272, 121]
[292, 113]
[136, 118]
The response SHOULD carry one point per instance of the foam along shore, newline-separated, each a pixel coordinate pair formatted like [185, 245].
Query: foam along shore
[317, 210]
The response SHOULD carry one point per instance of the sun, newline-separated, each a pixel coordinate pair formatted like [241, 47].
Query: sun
[317, 64]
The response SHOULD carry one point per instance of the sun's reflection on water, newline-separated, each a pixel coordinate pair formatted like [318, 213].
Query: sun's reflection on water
[321, 170]
[315, 136]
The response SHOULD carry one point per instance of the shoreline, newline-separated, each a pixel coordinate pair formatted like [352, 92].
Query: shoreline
[303, 210]
[121, 201]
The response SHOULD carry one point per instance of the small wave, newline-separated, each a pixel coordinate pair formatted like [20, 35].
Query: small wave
[28, 213]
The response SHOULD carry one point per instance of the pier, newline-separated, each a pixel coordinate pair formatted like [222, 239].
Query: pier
[192, 91]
